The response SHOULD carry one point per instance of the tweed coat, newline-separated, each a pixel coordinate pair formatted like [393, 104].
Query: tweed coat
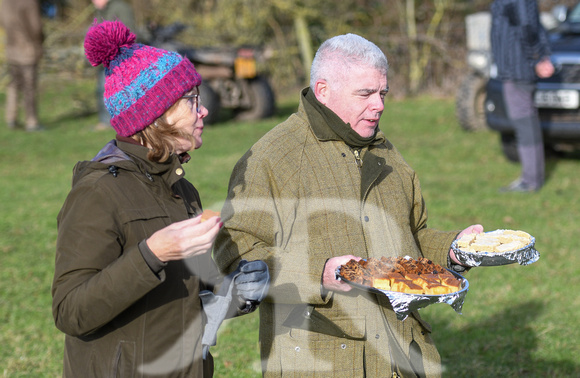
[299, 197]
[122, 316]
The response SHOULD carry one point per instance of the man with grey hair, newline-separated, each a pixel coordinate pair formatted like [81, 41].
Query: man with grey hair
[321, 188]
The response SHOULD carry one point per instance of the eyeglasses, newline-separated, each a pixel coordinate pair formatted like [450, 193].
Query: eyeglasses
[194, 100]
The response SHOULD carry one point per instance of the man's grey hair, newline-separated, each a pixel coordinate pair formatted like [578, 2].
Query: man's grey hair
[336, 55]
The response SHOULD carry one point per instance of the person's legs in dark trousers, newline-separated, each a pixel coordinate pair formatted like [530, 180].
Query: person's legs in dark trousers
[524, 116]
[30, 86]
[22, 89]
[12, 91]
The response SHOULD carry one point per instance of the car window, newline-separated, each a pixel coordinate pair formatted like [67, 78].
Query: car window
[574, 16]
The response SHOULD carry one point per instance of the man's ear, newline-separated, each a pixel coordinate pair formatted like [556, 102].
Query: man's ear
[321, 91]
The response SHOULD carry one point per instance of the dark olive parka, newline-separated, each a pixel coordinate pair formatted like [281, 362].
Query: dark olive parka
[123, 316]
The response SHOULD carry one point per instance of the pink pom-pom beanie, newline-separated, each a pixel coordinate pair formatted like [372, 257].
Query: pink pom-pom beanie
[141, 82]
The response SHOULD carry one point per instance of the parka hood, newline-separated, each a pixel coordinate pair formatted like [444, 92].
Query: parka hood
[117, 156]
[109, 155]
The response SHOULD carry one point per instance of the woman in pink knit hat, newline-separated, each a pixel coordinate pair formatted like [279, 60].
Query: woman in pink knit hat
[132, 252]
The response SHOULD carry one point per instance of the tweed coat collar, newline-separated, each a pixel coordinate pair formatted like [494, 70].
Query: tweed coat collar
[373, 165]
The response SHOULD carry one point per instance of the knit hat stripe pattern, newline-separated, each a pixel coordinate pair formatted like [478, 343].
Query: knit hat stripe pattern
[157, 100]
[120, 95]
[128, 73]
[141, 82]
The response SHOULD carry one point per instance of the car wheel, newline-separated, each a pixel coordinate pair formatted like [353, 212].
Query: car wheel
[469, 102]
[211, 100]
[261, 104]
[509, 147]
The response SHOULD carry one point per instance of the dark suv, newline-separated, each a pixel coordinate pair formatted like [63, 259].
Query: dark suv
[557, 98]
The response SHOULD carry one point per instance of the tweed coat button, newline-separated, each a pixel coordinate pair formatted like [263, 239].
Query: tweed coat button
[377, 336]
[366, 218]
[179, 171]
[342, 346]
[297, 349]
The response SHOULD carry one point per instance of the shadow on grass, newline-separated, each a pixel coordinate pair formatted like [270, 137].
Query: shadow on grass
[552, 158]
[566, 155]
[501, 345]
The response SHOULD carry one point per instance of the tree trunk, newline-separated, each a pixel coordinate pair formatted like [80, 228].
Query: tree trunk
[414, 69]
[304, 44]
[440, 8]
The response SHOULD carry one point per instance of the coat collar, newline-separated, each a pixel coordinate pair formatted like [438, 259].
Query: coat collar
[327, 126]
[170, 171]
[130, 156]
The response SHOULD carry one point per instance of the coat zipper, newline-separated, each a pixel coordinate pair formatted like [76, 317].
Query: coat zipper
[359, 163]
[357, 157]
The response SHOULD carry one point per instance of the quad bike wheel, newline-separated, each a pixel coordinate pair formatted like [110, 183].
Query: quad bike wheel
[469, 102]
[211, 100]
[261, 100]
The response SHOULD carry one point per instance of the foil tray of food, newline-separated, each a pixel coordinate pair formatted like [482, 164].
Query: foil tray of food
[409, 284]
[498, 247]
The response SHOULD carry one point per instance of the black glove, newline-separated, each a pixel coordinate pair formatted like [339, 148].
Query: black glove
[253, 281]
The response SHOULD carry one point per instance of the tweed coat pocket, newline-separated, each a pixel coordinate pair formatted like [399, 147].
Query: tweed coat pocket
[304, 353]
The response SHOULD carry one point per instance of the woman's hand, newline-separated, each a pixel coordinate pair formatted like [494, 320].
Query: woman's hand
[184, 239]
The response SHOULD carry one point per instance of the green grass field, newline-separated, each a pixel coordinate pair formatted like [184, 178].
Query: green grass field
[517, 321]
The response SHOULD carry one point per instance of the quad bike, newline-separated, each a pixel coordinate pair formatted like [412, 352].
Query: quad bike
[230, 77]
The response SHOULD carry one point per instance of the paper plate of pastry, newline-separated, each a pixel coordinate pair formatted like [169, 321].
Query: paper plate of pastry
[498, 247]
[410, 284]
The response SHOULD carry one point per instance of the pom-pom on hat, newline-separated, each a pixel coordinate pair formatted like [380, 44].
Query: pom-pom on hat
[141, 82]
